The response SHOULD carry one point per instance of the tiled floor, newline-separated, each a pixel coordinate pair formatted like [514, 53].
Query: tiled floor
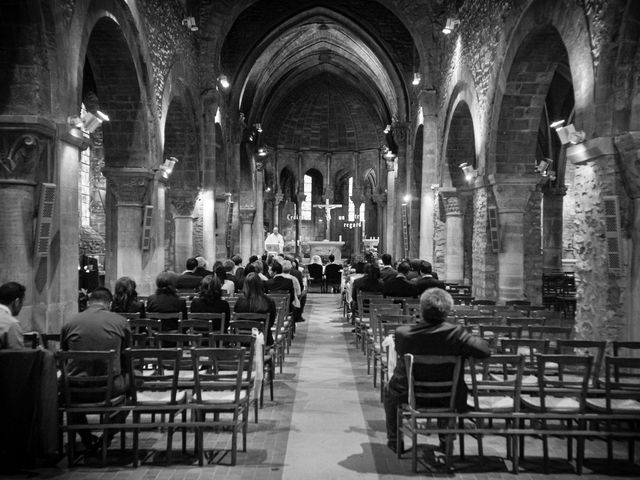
[326, 422]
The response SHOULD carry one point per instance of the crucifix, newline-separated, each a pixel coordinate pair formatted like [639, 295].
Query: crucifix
[327, 207]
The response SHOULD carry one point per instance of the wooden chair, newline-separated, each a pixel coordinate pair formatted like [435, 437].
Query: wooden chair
[551, 333]
[333, 277]
[483, 302]
[203, 324]
[168, 320]
[595, 348]
[51, 341]
[156, 391]
[251, 374]
[316, 277]
[361, 319]
[244, 324]
[517, 303]
[387, 324]
[31, 339]
[185, 342]
[496, 385]
[529, 348]
[219, 391]
[373, 344]
[88, 395]
[559, 394]
[495, 333]
[524, 322]
[628, 348]
[427, 395]
[622, 396]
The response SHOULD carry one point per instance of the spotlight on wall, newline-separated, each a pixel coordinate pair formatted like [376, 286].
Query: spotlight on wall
[387, 129]
[167, 167]
[262, 151]
[87, 121]
[258, 127]
[406, 198]
[469, 172]
[387, 153]
[569, 134]
[190, 23]
[543, 166]
[451, 25]
[224, 81]
[417, 78]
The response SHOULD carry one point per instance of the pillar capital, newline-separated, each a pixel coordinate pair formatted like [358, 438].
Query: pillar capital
[513, 196]
[390, 164]
[628, 148]
[451, 200]
[278, 197]
[247, 215]
[358, 197]
[183, 202]
[129, 185]
[379, 199]
[400, 131]
[24, 147]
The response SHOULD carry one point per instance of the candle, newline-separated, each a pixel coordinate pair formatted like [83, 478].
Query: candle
[339, 238]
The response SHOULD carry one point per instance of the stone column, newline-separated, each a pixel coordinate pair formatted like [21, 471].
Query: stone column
[182, 229]
[246, 220]
[428, 102]
[208, 153]
[277, 200]
[380, 200]
[300, 197]
[129, 187]
[628, 148]
[552, 217]
[257, 244]
[391, 224]
[400, 132]
[454, 253]
[511, 199]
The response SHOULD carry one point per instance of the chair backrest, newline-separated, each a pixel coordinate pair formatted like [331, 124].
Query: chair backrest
[524, 322]
[364, 302]
[622, 379]
[223, 372]
[315, 271]
[477, 320]
[528, 347]
[243, 323]
[96, 389]
[625, 348]
[390, 319]
[31, 339]
[500, 331]
[595, 348]
[204, 323]
[51, 341]
[183, 341]
[483, 302]
[168, 320]
[530, 309]
[553, 381]
[550, 332]
[130, 315]
[230, 340]
[517, 302]
[166, 364]
[498, 375]
[333, 273]
[144, 325]
[433, 381]
[550, 317]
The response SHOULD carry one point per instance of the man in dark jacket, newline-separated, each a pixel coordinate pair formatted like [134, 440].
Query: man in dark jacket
[431, 336]
[426, 279]
[387, 272]
[189, 280]
[400, 286]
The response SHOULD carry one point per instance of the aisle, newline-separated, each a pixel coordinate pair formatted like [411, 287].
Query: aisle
[329, 435]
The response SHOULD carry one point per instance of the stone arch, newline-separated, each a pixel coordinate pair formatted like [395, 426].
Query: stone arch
[370, 185]
[546, 28]
[459, 146]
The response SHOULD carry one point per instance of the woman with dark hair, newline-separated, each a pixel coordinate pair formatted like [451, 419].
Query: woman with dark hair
[227, 285]
[166, 300]
[253, 300]
[125, 297]
[210, 299]
[371, 281]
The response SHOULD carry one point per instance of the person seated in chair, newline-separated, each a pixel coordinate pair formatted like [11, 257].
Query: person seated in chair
[432, 335]
[387, 272]
[426, 279]
[189, 280]
[98, 329]
[333, 274]
[11, 299]
[400, 286]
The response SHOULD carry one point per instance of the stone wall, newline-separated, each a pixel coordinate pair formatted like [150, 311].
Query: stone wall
[485, 262]
[198, 226]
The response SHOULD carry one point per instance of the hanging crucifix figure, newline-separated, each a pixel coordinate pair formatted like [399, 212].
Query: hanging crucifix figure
[327, 207]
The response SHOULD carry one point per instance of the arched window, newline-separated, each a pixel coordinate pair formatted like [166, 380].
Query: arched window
[305, 207]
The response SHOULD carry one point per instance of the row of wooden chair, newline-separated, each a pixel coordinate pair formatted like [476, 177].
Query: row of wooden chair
[561, 402]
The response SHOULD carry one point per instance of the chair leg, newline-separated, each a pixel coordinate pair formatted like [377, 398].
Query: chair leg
[515, 455]
[169, 443]
[234, 439]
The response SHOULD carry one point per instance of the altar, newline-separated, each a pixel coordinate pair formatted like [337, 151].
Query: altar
[324, 248]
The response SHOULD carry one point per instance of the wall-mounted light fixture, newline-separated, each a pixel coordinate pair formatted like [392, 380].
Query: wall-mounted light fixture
[545, 169]
[407, 198]
[568, 134]
[167, 167]
[258, 127]
[263, 151]
[417, 78]
[88, 121]
[387, 153]
[224, 81]
[469, 172]
[190, 23]
[451, 25]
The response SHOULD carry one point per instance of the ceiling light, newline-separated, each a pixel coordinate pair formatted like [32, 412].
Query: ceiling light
[417, 78]
[451, 25]
[88, 121]
[387, 153]
[543, 166]
[262, 151]
[557, 123]
[167, 167]
[258, 127]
